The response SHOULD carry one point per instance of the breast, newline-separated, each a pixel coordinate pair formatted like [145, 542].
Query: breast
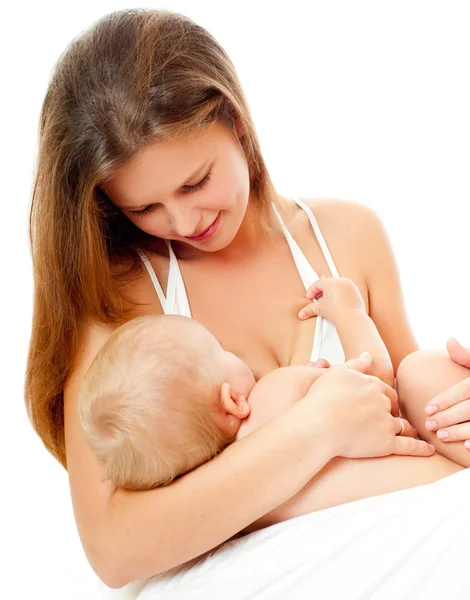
[326, 344]
[252, 309]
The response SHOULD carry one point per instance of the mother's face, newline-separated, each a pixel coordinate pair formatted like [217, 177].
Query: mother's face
[192, 189]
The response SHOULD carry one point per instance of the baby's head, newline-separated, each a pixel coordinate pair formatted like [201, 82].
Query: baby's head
[161, 397]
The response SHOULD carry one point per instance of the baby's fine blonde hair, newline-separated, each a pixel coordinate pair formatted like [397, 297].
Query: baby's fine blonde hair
[148, 400]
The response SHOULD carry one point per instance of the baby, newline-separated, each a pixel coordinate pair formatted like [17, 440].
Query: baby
[162, 396]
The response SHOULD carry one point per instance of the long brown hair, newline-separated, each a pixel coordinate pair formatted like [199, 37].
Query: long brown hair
[134, 77]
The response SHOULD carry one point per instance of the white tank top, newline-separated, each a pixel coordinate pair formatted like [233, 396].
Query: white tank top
[326, 342]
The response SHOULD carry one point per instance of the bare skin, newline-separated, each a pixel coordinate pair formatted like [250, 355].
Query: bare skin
[268, 299]
[248, 295]
[421, 377]
[345, 480]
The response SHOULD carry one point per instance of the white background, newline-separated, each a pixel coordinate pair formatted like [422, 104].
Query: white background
[361, 100]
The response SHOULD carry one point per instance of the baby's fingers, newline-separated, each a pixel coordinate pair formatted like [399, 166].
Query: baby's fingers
[317, 288]
[312, 309]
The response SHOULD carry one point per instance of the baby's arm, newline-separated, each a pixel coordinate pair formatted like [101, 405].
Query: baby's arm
[358, 333]
[339, 300]
[284, 387]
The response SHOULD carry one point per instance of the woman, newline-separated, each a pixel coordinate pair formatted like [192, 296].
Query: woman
[146, 138]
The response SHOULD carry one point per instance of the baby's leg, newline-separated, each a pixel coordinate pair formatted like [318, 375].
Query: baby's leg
[421, 376]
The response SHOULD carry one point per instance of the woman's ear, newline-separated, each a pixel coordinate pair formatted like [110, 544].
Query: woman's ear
[233, 404]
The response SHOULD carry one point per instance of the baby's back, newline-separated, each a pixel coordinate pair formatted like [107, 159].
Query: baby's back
[282, 387]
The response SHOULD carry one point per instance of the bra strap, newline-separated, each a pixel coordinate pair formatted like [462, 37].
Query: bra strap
[305, 269]
[321, 240]
[177, 297]
[153, 277]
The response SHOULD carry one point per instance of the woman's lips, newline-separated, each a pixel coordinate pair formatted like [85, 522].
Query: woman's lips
[207, 233]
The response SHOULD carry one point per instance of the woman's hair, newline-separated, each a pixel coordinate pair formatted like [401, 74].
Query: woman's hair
[134, 77]
[147, 403]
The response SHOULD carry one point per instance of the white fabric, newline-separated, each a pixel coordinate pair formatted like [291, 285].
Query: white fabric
[176, 300]
[154, 279]
[407, 545]
[326, 342]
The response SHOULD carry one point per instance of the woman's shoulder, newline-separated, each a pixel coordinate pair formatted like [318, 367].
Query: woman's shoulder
[353, 233]
[349, 214]
[140, 299]
[349, 221]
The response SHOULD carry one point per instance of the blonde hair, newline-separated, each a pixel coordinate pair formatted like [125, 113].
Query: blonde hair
[147, 402]
[134, 77]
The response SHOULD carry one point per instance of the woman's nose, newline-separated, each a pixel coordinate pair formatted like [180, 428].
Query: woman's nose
[185, 221]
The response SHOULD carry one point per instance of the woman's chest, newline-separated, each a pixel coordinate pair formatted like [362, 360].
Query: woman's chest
[252, 307]
[252, 310]
[250, 304]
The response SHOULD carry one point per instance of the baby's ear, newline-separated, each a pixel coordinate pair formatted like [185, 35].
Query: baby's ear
[233, 404]
[226, 397]
[242, 405]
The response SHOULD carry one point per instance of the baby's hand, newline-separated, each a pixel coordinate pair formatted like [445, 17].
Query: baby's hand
[331, 297]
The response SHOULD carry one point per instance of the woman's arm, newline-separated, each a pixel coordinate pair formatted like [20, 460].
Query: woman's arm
[132, 535]
[362, 251]
[386, 302]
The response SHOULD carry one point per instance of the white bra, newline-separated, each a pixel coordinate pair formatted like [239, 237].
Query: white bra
[326, 342]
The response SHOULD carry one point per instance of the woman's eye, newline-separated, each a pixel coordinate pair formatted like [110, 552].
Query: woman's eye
[199, 185]
[146, 210]
[187, 188]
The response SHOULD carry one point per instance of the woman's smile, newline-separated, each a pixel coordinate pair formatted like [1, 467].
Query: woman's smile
[206, 233]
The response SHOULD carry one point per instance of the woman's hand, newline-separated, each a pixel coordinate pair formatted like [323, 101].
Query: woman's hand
[358, 411]
[321, 363]
[330, 297]
[449, 412]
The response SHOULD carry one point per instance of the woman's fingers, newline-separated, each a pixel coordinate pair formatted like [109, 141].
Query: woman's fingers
[356, 412]
[459, 413]
[455, 433]
[321, 363]
[454, 395]
[404, 428]
[393, 397]
[458, 353]
[409, 446]
[361, 363]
